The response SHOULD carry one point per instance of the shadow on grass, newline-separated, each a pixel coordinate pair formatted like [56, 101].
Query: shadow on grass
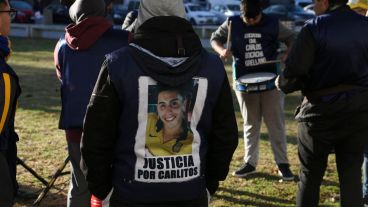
[29, 195]
[289, 139]
[40, 89]
[266, 176]
[330, 183]
[267, 199]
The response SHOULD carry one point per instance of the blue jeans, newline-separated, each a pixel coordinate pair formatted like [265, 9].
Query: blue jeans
[365, 174]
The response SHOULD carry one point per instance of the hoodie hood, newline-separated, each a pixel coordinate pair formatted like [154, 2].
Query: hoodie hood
[167, 38]
[154, 8]
[82, 9]
[83, 35]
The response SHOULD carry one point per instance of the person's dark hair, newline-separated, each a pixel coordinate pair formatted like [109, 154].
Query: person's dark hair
[250, 8]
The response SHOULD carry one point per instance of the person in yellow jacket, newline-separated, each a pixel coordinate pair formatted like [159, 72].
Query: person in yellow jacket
[359, 6]
[167, 131]
[9, 93]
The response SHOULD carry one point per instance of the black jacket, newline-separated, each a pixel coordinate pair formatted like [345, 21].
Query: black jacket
[162, 36]
[320, 65]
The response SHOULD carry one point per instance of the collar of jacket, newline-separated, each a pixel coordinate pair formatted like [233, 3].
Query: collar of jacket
[338, 8]
[83, 35]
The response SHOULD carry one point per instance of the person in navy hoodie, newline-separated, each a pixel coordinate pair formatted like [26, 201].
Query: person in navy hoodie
[78, 59]
[9, 93]
[165, 53]
[329, 65]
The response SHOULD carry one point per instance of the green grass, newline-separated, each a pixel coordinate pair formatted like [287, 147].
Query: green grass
[43, 147]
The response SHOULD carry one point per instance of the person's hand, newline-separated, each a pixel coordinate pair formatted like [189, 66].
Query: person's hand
[225, 53]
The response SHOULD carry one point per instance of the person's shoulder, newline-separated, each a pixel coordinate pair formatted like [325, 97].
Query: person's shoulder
[6, 70]
[152, 116]
[118, 55]
[235, 18]
[61, 44]
[322, 19]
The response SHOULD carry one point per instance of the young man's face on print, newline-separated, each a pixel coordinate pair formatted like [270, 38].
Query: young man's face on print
[171, 109]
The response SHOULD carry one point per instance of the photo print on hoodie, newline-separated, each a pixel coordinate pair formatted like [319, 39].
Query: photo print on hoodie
[167, 142]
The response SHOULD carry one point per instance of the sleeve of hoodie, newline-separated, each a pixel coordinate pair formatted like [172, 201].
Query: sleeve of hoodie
[220, 35]
[57, 63]
[224, 139]
[99, 135]
[298, 63]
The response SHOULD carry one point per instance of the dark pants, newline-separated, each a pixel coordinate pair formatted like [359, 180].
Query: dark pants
[8, 183]
[346, 136]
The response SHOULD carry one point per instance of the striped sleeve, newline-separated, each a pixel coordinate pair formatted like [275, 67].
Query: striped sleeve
[7, 94]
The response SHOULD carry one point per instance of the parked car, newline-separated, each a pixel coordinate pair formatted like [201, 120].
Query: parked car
[203, 3]
[289, 12]
[303, 3]
[197, 15]
[310, 9]
[25, 12]
[60, 13]
[228, 9]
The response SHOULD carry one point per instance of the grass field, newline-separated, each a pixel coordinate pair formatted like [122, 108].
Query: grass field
[43, 147]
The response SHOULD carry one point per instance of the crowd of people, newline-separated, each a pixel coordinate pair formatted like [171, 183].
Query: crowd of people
[148, 112]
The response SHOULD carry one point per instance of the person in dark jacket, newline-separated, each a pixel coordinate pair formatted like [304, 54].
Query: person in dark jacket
[329, 65]
[9, 93]
[78, 58]
[254, 38]
[165, 53]
[361, 7]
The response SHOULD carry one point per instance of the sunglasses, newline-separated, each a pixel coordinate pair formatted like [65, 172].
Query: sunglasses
[12, 13]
